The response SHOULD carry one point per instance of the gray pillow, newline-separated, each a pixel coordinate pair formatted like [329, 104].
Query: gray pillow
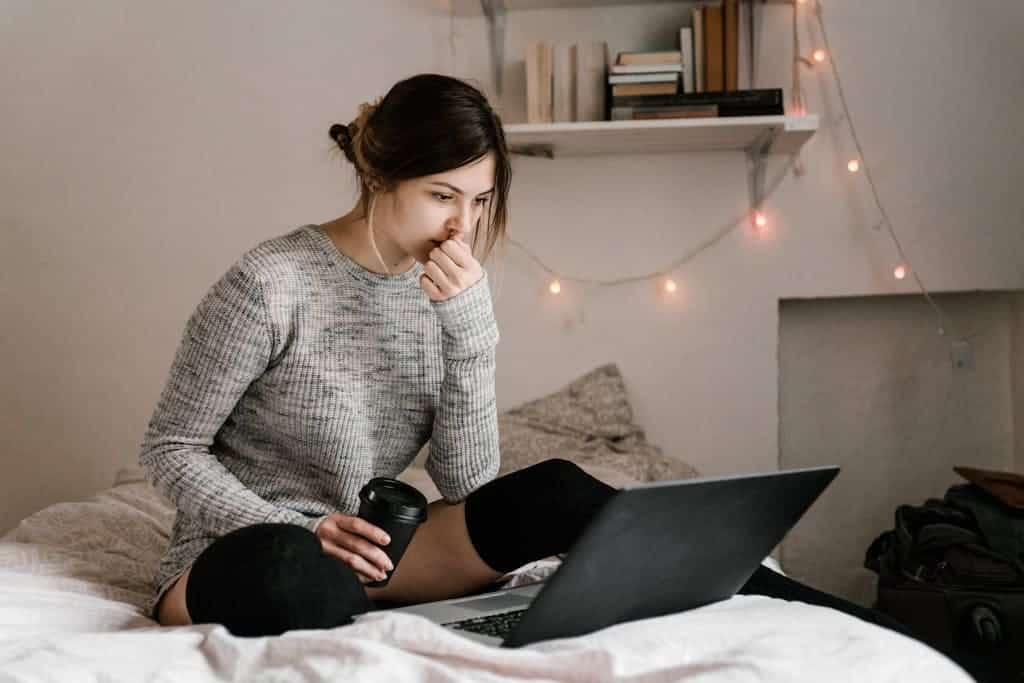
[589, 422]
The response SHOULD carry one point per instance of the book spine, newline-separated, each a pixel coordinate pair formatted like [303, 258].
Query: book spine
[643, 78]
[547, 82]
[538, 82]
[766, 98]
[645, 68]
[564, 73]
[591, 83]
[635, 113]
[686, 50]
[644, 89]
[730, 48]
[713, 56]
[698, 49]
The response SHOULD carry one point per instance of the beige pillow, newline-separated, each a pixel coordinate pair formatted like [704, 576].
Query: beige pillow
[589, 422]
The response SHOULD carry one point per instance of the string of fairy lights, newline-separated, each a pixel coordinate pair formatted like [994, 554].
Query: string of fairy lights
[665, 277]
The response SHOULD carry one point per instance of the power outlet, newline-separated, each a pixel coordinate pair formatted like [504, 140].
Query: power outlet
[962, 355]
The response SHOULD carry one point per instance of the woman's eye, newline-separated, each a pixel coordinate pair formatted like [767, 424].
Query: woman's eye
[442, 197]
[482, 200]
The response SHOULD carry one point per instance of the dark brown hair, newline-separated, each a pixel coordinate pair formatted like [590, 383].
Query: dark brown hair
[424, 125]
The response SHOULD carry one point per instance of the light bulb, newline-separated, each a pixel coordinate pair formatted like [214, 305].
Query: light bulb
[760, 220]
[555, 287]
[818, 55]
[900, 272]
[670, 285]
[853, 165]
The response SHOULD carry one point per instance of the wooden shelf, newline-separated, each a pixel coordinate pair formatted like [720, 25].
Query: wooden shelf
[470, 8]
[473, 7]
[772, 134]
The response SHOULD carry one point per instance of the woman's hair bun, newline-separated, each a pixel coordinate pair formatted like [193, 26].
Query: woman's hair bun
[339, 133]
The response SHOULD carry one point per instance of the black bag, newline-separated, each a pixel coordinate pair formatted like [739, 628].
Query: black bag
[952, 570]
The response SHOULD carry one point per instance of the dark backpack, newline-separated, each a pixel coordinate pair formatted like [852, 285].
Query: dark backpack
[952, 570]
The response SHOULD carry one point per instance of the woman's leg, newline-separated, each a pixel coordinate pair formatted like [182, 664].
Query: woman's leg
[770, 583]
[510, 521]
[266, 579]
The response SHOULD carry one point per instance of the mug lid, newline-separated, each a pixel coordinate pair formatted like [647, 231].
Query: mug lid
[397, 497]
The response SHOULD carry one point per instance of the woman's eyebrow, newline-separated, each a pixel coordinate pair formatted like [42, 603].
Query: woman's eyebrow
[457, 190]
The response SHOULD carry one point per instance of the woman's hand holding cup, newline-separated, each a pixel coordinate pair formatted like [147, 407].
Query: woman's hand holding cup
[355, 542]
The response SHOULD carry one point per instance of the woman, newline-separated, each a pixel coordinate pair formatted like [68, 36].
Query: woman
[330, 355]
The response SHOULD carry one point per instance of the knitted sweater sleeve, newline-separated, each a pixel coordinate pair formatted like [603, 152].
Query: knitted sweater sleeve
[227, 344]
[464, 443]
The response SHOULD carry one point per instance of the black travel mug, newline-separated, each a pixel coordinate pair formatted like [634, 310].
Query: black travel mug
[398, 509]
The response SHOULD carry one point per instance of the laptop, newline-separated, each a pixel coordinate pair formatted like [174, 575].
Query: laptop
[652, 549]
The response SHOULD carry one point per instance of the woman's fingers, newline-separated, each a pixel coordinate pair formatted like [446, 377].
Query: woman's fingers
[432, 290]
[457, 251]
[348, 538]
[359, 564]
[358, 525]
[366, 550]
[450, 269]
[444, 282]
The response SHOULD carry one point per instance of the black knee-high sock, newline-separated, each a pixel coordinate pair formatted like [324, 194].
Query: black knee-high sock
[770, 583]
[265, 579]
[532, 513]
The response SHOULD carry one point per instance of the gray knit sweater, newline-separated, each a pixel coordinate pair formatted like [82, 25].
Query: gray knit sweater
[300, 376]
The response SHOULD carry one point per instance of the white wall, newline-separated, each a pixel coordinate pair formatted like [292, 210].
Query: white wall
[146, 146]
[935, 105]
[866, 383]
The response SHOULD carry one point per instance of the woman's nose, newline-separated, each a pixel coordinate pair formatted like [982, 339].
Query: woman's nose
[458, 225]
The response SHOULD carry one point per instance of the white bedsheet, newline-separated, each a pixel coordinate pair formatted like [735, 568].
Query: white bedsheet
[74, 579]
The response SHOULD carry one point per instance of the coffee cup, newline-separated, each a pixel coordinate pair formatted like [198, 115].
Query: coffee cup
[398, 509]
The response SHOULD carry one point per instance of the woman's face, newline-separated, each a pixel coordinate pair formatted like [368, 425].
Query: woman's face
[431, 209]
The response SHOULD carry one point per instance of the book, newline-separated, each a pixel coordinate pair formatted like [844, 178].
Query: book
[675, 67]
[730, 45]
[644, 89]
[759, 97]
[644, 78]
[686, 48]
[539, 82]
[694, 111]
[763, 101]
[563, 104]
[660, 57]
[698, 49]
[714, 67]
[591, 86]
[647, 113]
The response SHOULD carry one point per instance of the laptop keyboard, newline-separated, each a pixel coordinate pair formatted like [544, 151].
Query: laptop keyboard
[497, 625]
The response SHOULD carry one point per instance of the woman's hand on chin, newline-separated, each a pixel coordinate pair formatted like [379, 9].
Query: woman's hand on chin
[450, 269]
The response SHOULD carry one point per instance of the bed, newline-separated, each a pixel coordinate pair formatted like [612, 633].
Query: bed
[75, 578]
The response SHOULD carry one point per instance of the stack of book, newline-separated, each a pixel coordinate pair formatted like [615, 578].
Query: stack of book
[647, 73]
[761, 102]
[699, 80]
[566, 82]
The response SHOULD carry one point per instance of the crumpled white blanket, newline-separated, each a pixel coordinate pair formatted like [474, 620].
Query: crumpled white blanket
[74, 579]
